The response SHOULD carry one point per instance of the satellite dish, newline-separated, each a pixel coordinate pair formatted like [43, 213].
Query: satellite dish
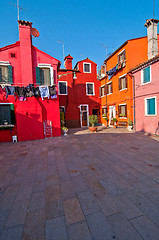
[35, 32]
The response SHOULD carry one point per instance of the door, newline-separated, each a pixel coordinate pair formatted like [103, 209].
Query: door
[84, 115]
[112, 114]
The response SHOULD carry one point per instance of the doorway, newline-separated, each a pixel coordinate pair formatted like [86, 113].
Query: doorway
[84, 115]
[112, 114]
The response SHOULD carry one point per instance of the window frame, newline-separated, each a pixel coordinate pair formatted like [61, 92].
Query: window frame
[124, 75]
[6, 64]
[149, 115]
[45, 65]
[11, 117]
[63, 107]
[142, 75]
[84, 69]
[110, 83]
[93, 89]
[122, 52]
[59, 88]
[106, 109]
[122, 117]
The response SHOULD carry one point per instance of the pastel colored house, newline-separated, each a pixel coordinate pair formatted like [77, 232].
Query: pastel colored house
[146, 82]
[79, 92]
[116, 90]
[22, 64]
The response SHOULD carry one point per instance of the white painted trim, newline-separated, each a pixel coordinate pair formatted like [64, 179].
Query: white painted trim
[122, 104]
[93, 89]
[59, 88]
[4, 63]
[109, 82]
[113, 108]
[87, 114]
[123, 75]
[142, 83]
[149, 115]
[6, 103]
[83, 67]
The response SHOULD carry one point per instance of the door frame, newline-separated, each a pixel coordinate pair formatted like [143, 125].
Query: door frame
[81, 105]
[113, 107]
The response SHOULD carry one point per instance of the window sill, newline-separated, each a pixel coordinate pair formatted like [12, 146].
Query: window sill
[123, 89]
[90, 94]
[142, 84]
[6, 127]
[109, 94]
[123, 117]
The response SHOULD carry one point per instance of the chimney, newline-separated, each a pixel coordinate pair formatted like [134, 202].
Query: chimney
[68, 62]
[26, 51]
[151, 25]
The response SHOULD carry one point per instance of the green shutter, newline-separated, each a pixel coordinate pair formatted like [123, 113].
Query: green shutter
[0, 75]
[38, 76]
[146, 75]
[151, 106]
[12, 114]
[10, 77]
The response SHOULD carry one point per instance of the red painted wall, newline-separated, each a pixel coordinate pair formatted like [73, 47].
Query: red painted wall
[31, 113]
[77, 91]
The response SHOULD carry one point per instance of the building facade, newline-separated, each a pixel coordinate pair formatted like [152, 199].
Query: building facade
[146, 79]
[116, 90]
[28, 76]
[79, 92]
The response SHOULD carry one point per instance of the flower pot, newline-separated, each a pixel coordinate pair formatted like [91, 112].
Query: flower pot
[114, 126]
[93, 128]
[130, 128]
[65, 132]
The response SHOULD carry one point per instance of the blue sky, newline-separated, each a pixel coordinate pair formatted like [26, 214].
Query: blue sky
[83, 25]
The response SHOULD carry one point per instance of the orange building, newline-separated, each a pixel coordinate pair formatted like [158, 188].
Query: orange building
[116, 89]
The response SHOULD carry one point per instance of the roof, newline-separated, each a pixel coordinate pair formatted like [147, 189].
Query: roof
[148, 62]
[10, 46]
[84, 60]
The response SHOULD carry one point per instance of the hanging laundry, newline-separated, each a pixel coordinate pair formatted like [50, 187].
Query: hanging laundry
[20, 91]
[111, 72]
[10, 90]
[36, 92]
[29, 90]
[44, 92]
[52, 91]
[22, 99]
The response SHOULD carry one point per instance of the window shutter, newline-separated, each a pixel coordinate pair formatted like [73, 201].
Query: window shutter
[125, 110]
[119, 83]
[119, 110]
[99, 91]
[10, 77]
[38, 76]
[0, 75]
[147, 75]
[112, 87]
[12, 114]
[124, 55]
[105, 89]
[126, 81]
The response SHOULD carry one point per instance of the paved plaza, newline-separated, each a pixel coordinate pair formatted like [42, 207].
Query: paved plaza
[83, 186]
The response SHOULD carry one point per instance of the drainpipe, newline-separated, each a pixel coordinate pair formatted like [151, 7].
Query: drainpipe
[134, 115]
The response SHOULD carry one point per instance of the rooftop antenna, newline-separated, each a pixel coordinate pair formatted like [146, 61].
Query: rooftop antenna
[105, 48]
[153, 8]
[62, 48]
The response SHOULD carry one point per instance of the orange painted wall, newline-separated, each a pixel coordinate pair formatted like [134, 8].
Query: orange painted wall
[136, 53]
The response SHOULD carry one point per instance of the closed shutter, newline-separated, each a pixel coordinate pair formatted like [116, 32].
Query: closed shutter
[147, 75]
[99, 91]
[0, 75]
[119, 83]
[151, 106]
[105, 89]
[112, 87]
[119, 110]
[12, 114]
[10, 77]
[125, 110]
[38, 76]
[126, 81]
[124, 53]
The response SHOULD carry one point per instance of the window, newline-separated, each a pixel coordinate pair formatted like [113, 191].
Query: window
[62, 88]
[7, 114]
[150, 106]
[122, 110]
[89, 88]
[121, 56]
[104, 111]
[123, 82]
[44, 74]
[102, 91]
[86, 67]
[5, 73]
[109, 88]
[145, 75]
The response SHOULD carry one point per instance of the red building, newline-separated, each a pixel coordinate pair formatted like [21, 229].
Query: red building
[78, 92]
[22, 64]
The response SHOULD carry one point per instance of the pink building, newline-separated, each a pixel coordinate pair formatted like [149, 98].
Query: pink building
[146, 86]
[22, 64]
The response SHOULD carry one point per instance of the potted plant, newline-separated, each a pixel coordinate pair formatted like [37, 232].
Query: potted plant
[130, 125]
[114, 123]
[106, 122]
[122, 115]
[93, 120]
[65, 130]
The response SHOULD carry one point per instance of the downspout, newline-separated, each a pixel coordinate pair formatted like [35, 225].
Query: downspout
[134, 115]
[106, 89]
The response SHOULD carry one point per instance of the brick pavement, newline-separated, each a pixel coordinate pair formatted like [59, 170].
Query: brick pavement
[83, 186]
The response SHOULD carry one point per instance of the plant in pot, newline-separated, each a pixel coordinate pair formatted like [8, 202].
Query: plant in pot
[106, 122]
[93, 120]
[114, 123]
[65, 130]
[130, 124]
